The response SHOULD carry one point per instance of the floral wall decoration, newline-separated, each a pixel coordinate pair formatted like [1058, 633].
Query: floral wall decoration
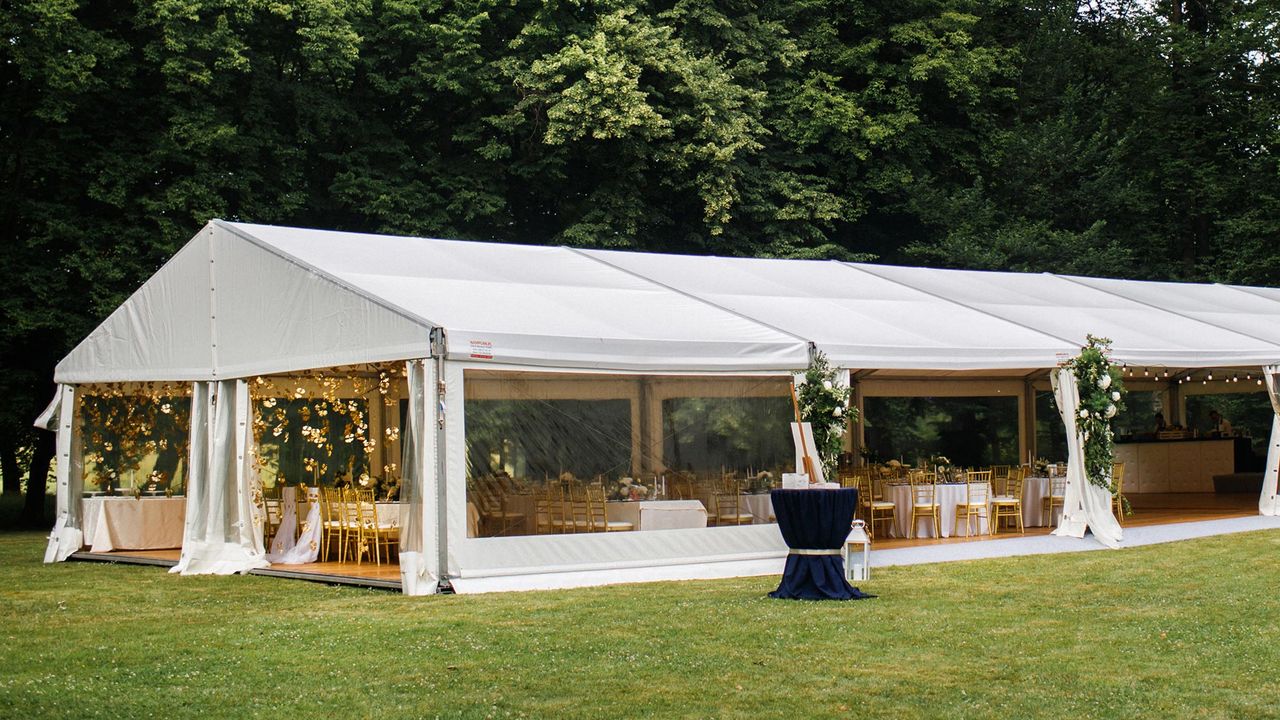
[824, 404]
[323, 417]
[1101, 398]
[126, 427]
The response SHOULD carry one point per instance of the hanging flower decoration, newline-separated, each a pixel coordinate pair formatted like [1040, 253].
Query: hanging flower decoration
[824, 404]
[319, 421]
[1101, 398]
[127, 425]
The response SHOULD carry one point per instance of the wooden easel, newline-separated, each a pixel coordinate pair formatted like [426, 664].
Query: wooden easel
[804, 444]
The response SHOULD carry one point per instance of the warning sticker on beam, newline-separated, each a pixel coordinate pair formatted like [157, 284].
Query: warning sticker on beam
[481, 349]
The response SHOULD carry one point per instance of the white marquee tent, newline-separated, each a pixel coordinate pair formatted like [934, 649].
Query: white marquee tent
[244, 300]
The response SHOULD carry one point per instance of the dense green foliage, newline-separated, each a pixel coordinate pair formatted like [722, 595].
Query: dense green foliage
[1128, 135]
[1164, 631]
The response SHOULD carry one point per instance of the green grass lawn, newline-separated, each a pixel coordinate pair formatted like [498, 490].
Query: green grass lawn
[1189, 629]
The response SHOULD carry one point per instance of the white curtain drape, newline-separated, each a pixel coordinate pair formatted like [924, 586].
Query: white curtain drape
[68, 533]
[419, 558]
[223, 533]
[1085, 506]
[1267, 501]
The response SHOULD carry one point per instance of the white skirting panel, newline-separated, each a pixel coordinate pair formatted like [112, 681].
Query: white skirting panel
[560, 580]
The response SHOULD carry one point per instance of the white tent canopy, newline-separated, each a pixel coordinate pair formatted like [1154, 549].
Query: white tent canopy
[242, 300]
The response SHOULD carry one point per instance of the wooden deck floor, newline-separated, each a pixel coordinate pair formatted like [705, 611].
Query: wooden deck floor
[1150, 509]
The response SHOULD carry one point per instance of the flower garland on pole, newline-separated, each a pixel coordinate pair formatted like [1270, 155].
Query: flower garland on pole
[1101, 398]
[824, 404]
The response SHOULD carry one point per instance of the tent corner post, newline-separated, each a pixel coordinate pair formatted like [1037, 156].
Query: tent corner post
[439, 349]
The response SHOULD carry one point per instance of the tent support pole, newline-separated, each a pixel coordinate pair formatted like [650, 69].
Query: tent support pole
[442, 481]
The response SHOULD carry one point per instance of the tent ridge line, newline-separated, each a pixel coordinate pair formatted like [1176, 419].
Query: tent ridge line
[381, 302]
[953, 301]
[1161, 309]
[689, 295]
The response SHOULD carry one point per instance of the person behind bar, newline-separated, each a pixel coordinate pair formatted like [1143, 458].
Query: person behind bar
[1220, 424]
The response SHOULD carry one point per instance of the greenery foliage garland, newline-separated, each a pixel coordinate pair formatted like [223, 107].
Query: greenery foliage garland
[1101, 398]
[824, 401]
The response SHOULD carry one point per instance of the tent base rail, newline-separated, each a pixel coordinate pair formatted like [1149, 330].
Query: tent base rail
[372, 583]
[87, 556]
[335, 579]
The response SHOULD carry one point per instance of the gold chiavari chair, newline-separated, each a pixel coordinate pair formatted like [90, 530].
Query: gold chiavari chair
[333, 525]
[977, 501]
[924, 500]
[1008, 505]
[873, 510]
[999, 473]
[542, 514]
[1056, 498]
[272, 517]
[491, 502]
[559, 514]
[1117, 501]
[577, 509]
[728, 505]
[598, 513]
[373, 535]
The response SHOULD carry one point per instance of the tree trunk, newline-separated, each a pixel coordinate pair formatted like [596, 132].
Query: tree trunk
[38, 472]
[9, 468]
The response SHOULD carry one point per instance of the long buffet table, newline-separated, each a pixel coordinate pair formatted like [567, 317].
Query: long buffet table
[128, 523]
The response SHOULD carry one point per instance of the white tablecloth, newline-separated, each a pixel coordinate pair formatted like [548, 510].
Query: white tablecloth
[127, 523]
[948, 497]
[660, 514]
[760, 506]
[1034, 491]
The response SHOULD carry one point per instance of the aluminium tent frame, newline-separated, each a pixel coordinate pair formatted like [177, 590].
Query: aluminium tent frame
[274, 300]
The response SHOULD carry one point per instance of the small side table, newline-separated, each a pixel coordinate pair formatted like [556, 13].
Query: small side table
[815, 525]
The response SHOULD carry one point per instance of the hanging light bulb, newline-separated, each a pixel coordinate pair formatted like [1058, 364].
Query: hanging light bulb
[1144, 372]
[1166, 372]
[1259, 381]
[1235, 379]
[1210, 376]
[1188, 378]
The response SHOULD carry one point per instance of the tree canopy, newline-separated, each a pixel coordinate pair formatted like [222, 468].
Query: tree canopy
[1113, 137]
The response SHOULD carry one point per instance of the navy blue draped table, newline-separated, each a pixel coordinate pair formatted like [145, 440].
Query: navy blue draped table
[815, 524]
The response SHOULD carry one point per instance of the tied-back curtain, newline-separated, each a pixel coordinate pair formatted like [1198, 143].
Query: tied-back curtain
[419, 571]
[1085, 505]
[68, 534]
[1268, 504]
[223, 533]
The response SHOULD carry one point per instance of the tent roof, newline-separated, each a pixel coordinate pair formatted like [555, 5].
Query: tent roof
[244, 299]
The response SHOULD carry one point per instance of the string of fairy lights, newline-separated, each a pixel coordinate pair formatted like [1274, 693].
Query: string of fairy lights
[1190, 376]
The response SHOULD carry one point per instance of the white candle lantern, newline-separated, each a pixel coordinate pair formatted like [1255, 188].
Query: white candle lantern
[857, 553]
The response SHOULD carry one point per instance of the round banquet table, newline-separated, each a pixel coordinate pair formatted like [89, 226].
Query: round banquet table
[815, 524]
[949, 496]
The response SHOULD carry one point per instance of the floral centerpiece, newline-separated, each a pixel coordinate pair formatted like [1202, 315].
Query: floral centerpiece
[944, 470]
[824, 404]
[1102, 391]
[760, 482]
[628, 489]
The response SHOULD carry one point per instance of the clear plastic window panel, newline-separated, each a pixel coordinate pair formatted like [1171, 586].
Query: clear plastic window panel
[968, 431]
[560, 453]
